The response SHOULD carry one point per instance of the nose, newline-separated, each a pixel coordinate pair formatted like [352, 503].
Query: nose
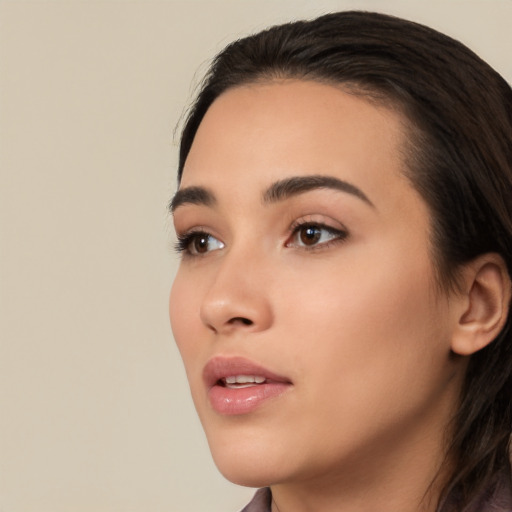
[238, 298]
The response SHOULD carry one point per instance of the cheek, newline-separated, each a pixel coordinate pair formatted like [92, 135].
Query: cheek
[368, 356]
[373, 327]
[183, 308]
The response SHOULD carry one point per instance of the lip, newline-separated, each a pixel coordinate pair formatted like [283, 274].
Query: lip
[244, 400]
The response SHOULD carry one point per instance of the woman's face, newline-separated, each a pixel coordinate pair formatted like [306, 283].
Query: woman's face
[306, 273]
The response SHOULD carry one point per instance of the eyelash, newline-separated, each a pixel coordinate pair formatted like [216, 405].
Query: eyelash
[337, 235]
[185, 241]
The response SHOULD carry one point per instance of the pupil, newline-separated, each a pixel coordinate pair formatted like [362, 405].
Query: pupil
[310, 235]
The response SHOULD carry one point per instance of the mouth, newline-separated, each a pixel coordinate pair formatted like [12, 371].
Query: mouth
[242, 381]
[237, 385]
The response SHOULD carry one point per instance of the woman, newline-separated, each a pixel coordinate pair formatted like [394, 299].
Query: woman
[342, 305]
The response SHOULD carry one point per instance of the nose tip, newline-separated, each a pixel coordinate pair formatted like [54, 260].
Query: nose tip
[227, 309]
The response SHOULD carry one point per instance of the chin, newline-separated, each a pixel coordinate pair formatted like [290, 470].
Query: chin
[246, 473]
[246, 462]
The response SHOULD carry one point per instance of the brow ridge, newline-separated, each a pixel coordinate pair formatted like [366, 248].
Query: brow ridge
[295, 185]
[192, 195]
[278, 191]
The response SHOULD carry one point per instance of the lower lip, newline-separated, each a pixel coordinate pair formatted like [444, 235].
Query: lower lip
[244, 400]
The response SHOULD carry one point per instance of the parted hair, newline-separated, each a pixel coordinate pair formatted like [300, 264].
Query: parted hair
[458, 156]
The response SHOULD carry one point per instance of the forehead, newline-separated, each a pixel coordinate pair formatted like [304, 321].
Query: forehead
[256, 134]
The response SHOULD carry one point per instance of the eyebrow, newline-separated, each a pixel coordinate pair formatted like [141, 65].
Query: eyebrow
[289, 187]
[192, 195]
[278, 191]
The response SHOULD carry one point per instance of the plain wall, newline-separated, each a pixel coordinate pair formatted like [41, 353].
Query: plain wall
[95, 413]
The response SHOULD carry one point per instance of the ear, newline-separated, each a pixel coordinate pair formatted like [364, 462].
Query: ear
[487, 290]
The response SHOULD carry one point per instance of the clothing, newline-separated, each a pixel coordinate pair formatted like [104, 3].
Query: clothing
[496, 499]
[261, 501]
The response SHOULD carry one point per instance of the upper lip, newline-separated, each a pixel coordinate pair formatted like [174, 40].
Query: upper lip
[220, 367]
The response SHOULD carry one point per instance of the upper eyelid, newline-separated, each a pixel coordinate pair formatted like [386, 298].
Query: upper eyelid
[309, 219]
[197, 229]
[319, 220]
[191, 231]
[321, 225]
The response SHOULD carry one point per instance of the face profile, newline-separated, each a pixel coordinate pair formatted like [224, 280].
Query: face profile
[325, 357]
[330, 291]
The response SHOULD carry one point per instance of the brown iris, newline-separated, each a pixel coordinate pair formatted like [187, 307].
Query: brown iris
[310, 235]
[201, 242]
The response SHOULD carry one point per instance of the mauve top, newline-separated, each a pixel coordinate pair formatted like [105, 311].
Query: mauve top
[498, 498]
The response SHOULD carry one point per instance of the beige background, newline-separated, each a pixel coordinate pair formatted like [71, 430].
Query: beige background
[94, 406]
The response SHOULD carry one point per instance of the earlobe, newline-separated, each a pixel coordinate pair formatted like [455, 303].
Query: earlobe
[487, 293]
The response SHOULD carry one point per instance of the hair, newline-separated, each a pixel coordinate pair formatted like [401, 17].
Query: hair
[458, 156]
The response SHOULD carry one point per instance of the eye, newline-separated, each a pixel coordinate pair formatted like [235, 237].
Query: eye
[197, 243]
[312, 235]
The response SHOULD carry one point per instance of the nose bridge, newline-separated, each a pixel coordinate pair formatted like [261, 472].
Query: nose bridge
[239, 294]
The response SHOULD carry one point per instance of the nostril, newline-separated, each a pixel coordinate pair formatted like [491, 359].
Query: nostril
[242, 320]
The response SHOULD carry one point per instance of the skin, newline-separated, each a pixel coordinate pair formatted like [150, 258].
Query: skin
[355, 321]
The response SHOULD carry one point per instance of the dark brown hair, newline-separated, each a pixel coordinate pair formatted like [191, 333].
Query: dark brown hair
[459, 157]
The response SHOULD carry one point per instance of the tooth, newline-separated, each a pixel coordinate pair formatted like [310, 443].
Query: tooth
[244, 379]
